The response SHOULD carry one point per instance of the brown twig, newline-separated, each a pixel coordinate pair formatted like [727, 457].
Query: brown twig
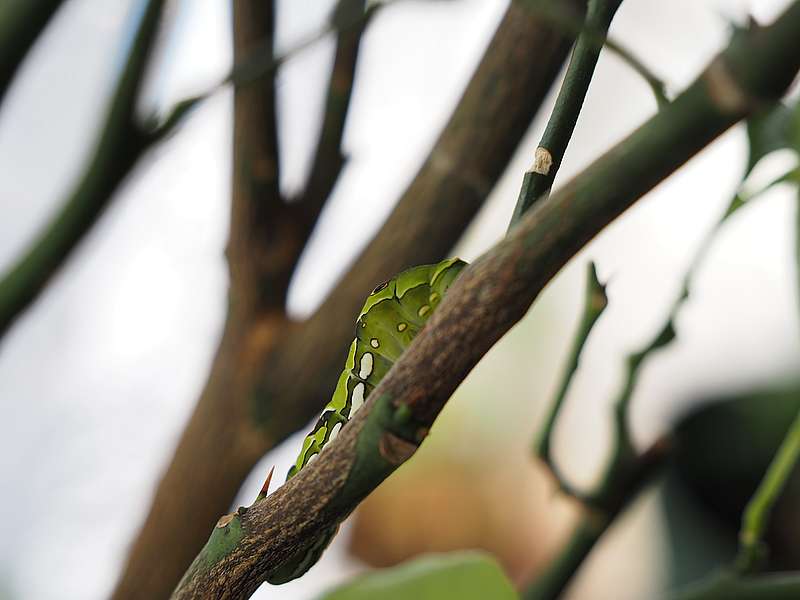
[328, 157]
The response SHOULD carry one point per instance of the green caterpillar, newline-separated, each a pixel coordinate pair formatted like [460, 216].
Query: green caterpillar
[392, 316]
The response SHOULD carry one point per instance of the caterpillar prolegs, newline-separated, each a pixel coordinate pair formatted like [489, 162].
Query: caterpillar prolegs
[392, 316]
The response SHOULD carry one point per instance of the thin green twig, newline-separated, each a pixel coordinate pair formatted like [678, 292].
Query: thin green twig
[592, 525]
[757, 513]
[594, 304]
[628, 471]
[756, 517]
[548, 156]
[624, 454]
[567, 22]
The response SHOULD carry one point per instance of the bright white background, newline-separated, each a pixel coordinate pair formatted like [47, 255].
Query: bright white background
[98, 378]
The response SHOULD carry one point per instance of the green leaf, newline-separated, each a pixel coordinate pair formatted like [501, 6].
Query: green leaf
[774, 129]
[456, 575]
[723, 448]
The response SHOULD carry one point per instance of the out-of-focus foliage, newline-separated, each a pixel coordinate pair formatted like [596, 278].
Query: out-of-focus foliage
[458, 575]
[774, 129]
[722, 451]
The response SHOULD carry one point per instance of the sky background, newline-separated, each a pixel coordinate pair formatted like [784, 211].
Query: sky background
[100, 375]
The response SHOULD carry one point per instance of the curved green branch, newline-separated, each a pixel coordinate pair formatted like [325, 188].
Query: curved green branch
[122, 141]
[594, 304]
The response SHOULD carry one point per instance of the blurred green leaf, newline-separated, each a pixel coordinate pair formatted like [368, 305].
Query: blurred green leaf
[722, 451]
[456, 575]
[696, 541]
[774, 129]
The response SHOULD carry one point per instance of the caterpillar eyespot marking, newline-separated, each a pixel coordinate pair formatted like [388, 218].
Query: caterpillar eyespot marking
[365, 367]
[412, 298]
[357, 398]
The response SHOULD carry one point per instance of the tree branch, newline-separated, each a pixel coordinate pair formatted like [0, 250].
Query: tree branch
[121, 143]
[261, 241]
[592, 525]
[21, 23]
[328, 158]
[568, 23]
[487, 299]
[255, 370]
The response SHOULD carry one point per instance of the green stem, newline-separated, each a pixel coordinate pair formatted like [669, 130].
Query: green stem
[757, 514]
[568, 23]
[21, 23]
[656, 85]
[121, 143]
[539, 178]
[624, 460]
[552, 582]
[595, 521]
[594, 305]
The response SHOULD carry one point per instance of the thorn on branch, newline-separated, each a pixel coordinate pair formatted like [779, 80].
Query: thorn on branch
[265, 488]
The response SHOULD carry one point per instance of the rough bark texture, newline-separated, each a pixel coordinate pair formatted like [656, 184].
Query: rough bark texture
[238, 419]
[489, 297]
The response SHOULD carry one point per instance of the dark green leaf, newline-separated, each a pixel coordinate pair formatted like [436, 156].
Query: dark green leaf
[722, 451]
[771, 130]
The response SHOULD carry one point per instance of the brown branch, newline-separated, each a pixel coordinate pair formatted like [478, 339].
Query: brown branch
[487, 299]
[328, 158]
[263, 242]
[223, 440]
